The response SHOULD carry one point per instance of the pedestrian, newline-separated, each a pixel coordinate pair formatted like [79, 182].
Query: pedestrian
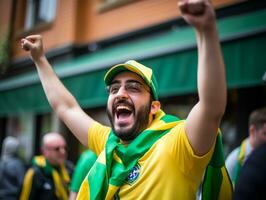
[12, 169]
[146, 154]
[251, 181]
[257, 136]
[49, 176]
[84, 164]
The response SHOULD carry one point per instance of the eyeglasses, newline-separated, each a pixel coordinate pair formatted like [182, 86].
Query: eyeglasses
[131, 87]
[58, 148]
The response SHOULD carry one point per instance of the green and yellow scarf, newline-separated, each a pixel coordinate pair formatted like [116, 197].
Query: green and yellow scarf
[240, 161]
[61, 179]
[116, 161]
[217, 183]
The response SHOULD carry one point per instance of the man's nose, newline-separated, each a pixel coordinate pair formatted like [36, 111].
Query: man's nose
[122, 92]
[62, 150]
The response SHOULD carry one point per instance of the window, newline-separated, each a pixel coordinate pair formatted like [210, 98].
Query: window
[110, 4]
[39, 11]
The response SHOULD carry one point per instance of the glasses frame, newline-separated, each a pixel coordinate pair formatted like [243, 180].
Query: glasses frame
[57, 148]
[130, 87]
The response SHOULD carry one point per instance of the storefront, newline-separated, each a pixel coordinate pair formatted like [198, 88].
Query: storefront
[172, 55]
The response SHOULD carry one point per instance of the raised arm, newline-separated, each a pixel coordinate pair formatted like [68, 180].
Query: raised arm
[204, 119]
[61, 100]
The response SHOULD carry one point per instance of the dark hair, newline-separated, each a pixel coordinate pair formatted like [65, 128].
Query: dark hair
[258, 118]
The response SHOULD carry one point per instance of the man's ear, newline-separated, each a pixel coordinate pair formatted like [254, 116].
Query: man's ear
[252, 135]
[251, 130]
[155, 106]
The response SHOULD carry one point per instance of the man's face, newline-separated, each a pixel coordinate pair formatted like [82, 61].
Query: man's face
[260, 135]
[129, 105]
[55, 151]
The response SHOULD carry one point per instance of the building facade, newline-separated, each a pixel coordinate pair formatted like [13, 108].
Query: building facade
[82, 39]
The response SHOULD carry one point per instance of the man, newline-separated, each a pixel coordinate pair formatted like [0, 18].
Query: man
[12, 169]
[48, 177]
[257, 136]
[251, 182]
[146, 154]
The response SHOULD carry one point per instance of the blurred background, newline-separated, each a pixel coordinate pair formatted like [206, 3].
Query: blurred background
[82, 38]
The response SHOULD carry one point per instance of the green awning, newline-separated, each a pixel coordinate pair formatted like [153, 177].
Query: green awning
[172, 55]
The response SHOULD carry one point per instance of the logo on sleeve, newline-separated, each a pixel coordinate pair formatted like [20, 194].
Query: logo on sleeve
[133, 175]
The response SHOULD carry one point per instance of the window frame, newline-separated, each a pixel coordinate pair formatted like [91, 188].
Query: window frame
[107, 5]
[39, 13]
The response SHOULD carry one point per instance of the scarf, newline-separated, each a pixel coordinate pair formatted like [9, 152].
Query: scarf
[217, 183]
[240, 160]
[116, 161]
[60, 180]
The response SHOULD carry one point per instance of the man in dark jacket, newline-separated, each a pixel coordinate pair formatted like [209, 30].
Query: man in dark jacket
[251, 182]
[12, 170]
[49, 176]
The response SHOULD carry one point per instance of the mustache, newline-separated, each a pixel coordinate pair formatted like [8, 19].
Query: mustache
[123, 102]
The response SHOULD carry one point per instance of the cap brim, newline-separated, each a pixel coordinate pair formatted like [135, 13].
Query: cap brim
[109, 76]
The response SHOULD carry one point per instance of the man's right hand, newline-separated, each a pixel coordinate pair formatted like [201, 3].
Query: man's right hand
[33, 43]
[198, 13]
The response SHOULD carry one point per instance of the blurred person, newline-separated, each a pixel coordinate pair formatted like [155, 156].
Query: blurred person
[252, 176]
[257, 136]
[84, 164]
[147, 154]
[12, 169]
[49, 176]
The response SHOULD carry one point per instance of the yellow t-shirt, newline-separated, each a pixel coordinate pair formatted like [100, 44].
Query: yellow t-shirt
[168, 170]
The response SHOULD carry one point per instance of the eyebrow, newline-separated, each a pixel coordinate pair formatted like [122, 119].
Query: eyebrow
[133, 81]
[145, 86]
[127, 81]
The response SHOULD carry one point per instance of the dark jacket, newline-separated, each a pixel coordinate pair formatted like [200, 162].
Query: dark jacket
[41, 185]
[11, 178]
[12, 170]
[252, 177]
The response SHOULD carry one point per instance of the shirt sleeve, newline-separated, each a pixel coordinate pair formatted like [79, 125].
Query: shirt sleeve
[188, 162]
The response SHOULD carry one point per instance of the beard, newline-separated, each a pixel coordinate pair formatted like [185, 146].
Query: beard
[141, 120]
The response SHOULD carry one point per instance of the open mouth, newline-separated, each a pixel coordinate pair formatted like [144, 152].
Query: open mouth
[123, 114]
[123, 111]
